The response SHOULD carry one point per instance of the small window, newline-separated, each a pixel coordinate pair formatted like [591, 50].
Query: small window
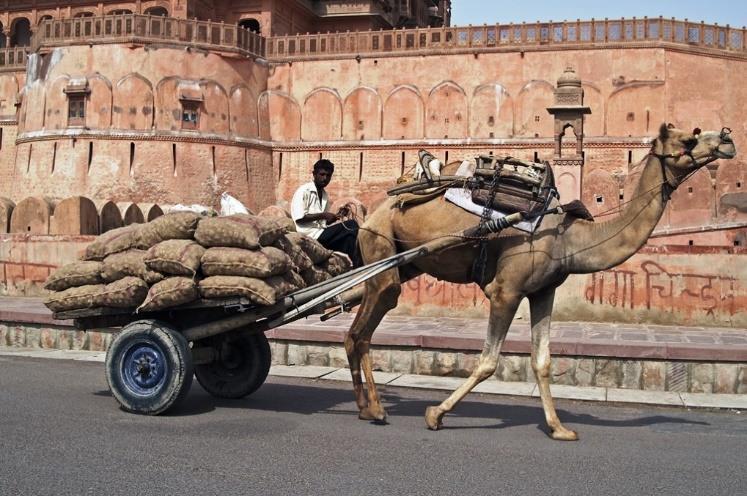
[190, 115]
[536, 118]
[76, 114]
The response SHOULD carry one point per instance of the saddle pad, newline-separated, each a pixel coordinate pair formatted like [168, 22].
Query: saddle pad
[463, 198]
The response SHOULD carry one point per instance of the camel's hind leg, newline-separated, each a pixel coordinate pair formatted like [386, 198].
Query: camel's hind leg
[540, 306]
[503, 306]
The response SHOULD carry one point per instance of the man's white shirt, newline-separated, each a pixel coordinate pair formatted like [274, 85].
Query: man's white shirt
[306, 201]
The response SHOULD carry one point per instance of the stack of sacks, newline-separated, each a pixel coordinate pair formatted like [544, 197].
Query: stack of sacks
[181, 256]
[241, 261]
[115, 271]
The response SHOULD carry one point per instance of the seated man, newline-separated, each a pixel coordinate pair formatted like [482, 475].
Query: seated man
[309, 212]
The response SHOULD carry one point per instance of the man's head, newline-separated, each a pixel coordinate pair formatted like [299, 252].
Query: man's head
[323, 170]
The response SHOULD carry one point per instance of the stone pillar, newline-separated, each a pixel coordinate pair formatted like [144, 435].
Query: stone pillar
[568, 111]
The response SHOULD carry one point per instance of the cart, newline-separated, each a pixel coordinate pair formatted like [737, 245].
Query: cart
[152, 359]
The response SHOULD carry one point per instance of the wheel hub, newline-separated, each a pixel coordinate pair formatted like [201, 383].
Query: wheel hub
[144, 368]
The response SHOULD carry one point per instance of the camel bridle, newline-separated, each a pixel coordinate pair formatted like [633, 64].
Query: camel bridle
[671, 179]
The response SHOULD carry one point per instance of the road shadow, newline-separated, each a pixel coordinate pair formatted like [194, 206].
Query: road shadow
[503, 412]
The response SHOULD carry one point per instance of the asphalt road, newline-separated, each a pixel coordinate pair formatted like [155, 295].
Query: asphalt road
[61, 433]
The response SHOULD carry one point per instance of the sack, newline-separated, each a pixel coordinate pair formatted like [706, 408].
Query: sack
[128, 263]
[176, 225]
[128, 292]
[268, 261]
[314, 275]
[338, 263]
[239, 231]
[114, 241]
[230, 205]
[298, 257]
[255, 290]
[180, 257]
[313, 248]
[74, 274]
[286, 283]
[280, 215]
[74, 298]
[169, 293]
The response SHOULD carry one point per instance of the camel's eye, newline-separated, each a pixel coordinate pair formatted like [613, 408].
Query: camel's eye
[690, 143]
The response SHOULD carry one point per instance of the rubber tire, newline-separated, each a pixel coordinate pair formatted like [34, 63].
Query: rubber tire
[238, 381]
[176, 354]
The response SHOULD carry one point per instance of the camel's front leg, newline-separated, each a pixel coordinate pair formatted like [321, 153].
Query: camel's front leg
[540, 306]
[503, 306]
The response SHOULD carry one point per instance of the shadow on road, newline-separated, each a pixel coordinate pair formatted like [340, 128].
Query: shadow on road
[308, 399]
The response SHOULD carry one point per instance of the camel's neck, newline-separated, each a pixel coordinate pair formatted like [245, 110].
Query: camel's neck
[592, 246]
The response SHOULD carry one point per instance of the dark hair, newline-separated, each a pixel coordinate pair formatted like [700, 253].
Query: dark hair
[324, 164]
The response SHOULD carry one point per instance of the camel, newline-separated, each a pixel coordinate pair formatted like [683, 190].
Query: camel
[519, 265]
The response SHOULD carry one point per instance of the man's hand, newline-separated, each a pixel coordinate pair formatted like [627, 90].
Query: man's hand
[329, 217]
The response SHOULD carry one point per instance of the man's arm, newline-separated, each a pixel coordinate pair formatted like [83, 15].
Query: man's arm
[300, 210]
[328, 216]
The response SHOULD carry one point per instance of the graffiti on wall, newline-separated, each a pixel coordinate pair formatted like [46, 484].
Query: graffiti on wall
[652, 286]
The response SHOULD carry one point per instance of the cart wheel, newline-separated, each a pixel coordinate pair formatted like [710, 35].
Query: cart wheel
[149, 367]
[240, 367]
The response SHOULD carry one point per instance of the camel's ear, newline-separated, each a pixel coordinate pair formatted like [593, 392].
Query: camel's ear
[664, 132]
[670, 126]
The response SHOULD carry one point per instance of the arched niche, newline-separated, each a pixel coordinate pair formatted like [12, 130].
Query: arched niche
[3, 38]
[8, 94]
[75, 215]
[532, 118]
[6, 211]
[601, 193]
[110, 217]
[403, 114]
[156, 11]
[693, 201]
[446, 113]
[214, 115]
[283, 114]
[251, 24]
[168, 107]
[131, 213]
[731, 190]
[20, 32]
[567, 184]
[99, 103]
[152, 211]
[243, 109]
[635, 110]
[361, 115]
[491, 112]
[133, 103]
[321, 119]
[32, 215]
[56, 107]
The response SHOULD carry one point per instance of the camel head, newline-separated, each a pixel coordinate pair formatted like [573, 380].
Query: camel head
[681, 152]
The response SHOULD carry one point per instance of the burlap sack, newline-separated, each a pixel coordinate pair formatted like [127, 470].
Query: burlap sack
[74, 274]
[280, 215]
[128, 263]
[300, 259]
[74, 298]
[128, 292]
[262, 263]
[114, 241]
[285, 284]
[169, 293]
[179, 257]
[255, 290]
[313, 248]
[176, 225]
[338, 263]
[239, 231]
[314, 275]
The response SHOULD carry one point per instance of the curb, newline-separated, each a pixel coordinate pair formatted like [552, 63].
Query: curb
[735, 402]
